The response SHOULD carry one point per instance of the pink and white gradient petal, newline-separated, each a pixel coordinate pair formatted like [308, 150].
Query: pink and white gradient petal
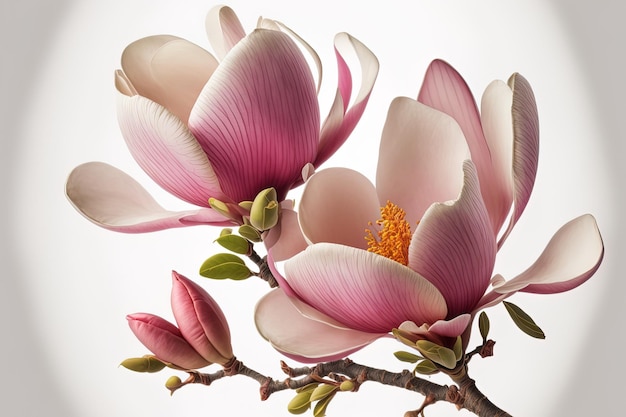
[113, 200]
[336, 206]
[362, 290]
[166, 150]
[302, 338]
[257, 118]
[224, 30]
[420, 153]
[454, 247]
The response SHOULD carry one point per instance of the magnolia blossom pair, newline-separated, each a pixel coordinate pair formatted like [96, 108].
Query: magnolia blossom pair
[220, 128]
[447, 178]
[202, 336]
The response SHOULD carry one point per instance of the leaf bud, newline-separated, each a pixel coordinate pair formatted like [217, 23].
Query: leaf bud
[347, 385]
[265, 210]
[250, 233]
[173, 383]
[146, 363]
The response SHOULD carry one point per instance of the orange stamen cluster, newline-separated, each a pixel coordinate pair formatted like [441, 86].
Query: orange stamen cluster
[394, 236]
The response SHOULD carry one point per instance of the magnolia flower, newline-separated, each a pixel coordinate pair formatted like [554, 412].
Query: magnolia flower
[425, 266]
[202, 336]
[220, 128]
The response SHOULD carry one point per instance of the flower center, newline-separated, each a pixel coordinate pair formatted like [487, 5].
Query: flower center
[394, 236]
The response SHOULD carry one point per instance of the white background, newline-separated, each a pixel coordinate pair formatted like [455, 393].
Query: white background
[67, 284]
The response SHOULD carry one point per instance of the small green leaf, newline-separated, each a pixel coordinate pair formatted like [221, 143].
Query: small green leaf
[250, 233]
[322, 391]
[483, 325]
[458, 348]
[426, 367]
[308, 387]
[223, 266]
[320, 408]
[407, 356]
[438, 354]
[300, 403]
[234, 243]
[523, 321]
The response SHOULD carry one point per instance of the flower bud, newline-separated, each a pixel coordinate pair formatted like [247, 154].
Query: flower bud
[147, 363]
[265, 210]
[201, 320]
[347, 385]
[173, 383]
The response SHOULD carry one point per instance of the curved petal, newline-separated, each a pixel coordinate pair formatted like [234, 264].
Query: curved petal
[454, 247]
[571, 257]
[113, 200]
[421, 151]
[168, 70]
[286, 239]
[341, 121]
[336, 206]
[167, 151]
[302, 338]
[525, 147]
[224, 30]
[165, 340]
[362, 290]
[201, 320]
[258, 117]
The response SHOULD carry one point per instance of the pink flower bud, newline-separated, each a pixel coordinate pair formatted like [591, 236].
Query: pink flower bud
[165, 340]
[200, 320]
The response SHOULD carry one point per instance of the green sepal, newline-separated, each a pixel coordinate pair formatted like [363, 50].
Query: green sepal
[234, 243]
[523, 321]
[426, 367]
[438, 354]
[250, 233]
[407, 356]
[148, 363]
[483, 325]
[322, 391]
[300, 403]
[223, 266]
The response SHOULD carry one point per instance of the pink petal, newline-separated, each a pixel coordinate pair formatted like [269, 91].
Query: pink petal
[167, 151]
[111, 199]
[223, 29]
[336, 206]
[525, 148]
[571, 257]
[420, 154]
[362, 290]
[168, 70]
[341, 119]
[286, 239]
[441, 328]
[258, 117]
[201, 320]
[454, 247]
[301, 338]
[165, 340]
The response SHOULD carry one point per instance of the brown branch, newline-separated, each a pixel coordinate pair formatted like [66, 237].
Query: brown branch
[264, 270]
[466, 395]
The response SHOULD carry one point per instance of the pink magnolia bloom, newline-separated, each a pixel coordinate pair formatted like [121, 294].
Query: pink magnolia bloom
[202, 336]
[226, 128]
[430, 281]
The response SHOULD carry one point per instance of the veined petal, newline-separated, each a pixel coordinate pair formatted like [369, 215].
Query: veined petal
[201, 320]
[167, 151]
[525, 147]
[454, 247]
[497, 123]
[302, 338]
[420, 153]
[342, 120]
[336, 206]
[224, 30]
[115, 201]
[286, 239]
[165, 340]
[168, 70]
[571, 257]
[362, 290]
[258, 117]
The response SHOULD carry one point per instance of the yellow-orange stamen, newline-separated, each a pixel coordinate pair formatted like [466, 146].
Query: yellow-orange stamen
[394, 236]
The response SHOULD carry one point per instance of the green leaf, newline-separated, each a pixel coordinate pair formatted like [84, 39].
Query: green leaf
[407, 356]
[523, 321]
[320, 408]
[438, 354]
[483, 325]
[234, 243]
[322, 391]
[300, 403]
[458, 348]
[426, 367]
[223, 266]
[250, 233]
